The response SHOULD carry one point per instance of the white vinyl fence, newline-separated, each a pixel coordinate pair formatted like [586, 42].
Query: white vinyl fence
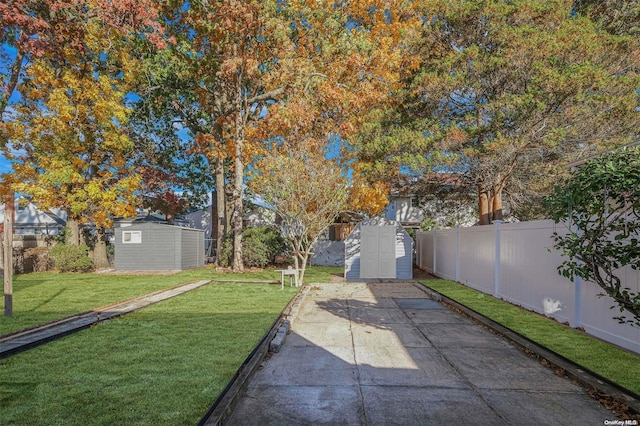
[518, 263]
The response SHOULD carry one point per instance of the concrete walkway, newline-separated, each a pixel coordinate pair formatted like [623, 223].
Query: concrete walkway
[384, 353]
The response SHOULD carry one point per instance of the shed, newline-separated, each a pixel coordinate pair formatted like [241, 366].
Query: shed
[378, 248]
[153, 246]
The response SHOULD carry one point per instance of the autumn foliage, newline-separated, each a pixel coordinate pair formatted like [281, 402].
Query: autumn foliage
[106, 104]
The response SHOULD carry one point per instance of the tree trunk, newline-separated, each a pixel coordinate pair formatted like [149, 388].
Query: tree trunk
[497, 205]
[304, 257]
[228, 210]
[219, 216]
[14, 77]
[74, 232]
[221, 207]
[238, 265]
[483, 206]
[100, 258]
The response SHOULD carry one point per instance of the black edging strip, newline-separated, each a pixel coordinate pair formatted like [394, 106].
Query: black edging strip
[226, 402]
[66, 326]
[583, 376]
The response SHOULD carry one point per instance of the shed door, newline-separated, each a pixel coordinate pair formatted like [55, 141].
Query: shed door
[378, 251]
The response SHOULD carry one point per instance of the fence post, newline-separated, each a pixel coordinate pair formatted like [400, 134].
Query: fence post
[435, 258]
[577, 297]
[496, 262]
[418, 250]
[577, 289]
[458, 253]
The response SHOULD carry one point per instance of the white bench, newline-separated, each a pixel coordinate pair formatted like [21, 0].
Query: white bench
[293, 277]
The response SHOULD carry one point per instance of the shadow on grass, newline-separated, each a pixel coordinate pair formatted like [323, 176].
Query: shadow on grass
[49, 300]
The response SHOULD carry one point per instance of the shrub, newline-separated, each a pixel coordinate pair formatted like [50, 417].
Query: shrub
[260, 246]
[69, 258]
[600, 204]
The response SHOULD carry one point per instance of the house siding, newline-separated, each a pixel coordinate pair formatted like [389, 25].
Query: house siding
[192, 243]
[161, 247]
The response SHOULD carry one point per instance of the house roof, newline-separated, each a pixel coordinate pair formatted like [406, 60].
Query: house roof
[27, 214]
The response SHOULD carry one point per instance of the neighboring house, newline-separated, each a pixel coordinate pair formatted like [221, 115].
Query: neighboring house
[401, 209]
[254, 216]
[444, 200]
[148, 216]
[329, 250]
[29, 220]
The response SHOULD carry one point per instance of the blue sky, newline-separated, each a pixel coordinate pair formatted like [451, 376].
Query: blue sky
[8, 53]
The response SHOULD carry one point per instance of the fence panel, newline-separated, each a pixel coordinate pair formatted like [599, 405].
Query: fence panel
[528, 270]
[445, 248]
[477, 255]
[424, 251]
[524, 272]
[597, 315]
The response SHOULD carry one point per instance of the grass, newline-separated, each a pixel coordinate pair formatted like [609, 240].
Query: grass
[43, 297]
[618, 365]
[162, 365]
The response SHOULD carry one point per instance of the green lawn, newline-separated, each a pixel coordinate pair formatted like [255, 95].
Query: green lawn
[162, 365]
[44, 297]
[618, 365]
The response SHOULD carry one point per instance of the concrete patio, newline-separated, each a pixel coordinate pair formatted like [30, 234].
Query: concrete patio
[385, 353]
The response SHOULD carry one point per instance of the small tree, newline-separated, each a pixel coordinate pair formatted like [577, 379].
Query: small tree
[601, 206]
[306, 190]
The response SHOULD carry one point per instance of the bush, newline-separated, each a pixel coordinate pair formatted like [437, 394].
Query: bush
[260, 246]
[69, 258]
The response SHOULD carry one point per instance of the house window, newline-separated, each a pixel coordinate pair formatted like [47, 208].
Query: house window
[132, 237]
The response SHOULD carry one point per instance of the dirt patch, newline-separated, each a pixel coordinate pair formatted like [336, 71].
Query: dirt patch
[337, 278]
[419, 274]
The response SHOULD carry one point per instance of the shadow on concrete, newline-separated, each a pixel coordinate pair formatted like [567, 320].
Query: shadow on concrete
[383, 353]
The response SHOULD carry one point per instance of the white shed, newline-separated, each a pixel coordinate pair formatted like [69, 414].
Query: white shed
[378, 248]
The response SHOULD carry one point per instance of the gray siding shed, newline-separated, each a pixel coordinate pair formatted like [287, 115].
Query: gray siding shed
[157, 247]
[378, 248]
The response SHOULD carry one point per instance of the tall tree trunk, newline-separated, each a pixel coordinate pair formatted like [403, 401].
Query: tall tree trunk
[218, 217]
[100, 258]
[238, 265]
[221, 207]
[74, 231]
[483, 206]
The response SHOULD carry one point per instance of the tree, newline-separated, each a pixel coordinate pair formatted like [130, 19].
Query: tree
[616, 16]
[67, 138]
[600, 204]
[307, 192]
[349, 59]
[54, 27]
[216, 79]
[507, 89]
